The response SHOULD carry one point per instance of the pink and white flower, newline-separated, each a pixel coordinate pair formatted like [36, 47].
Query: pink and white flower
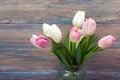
[89, 27]
[40, 41]
[75, 34]
[106, 41]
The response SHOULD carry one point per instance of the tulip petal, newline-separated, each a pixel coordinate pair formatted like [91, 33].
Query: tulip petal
[45, 28]
[106, 41]
[75, 34]
[78, 19]
[89, 27]
[40, 41]
[33, 40]
[53, 32]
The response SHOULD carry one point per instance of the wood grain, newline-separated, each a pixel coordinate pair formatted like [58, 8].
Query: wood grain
[57, 11]
[19, 19]
[20, 57]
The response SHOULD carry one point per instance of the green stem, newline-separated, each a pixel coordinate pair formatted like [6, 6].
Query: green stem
[86, 46]
[87, 42]
[67, 53]
[91, 53]
[73, 49]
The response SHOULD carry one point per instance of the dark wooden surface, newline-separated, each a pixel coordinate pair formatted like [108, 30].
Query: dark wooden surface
[19, 19]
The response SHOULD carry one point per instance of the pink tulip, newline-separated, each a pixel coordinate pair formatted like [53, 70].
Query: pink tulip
[40, 41]
[75, 34]
[89, 27]
[106, 41]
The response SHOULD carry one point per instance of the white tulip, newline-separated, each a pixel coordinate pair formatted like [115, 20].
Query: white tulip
[45, 28]
[78, 19]
[53, 32]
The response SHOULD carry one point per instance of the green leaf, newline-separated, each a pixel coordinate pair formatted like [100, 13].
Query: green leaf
[62, 52]
[79, 51]
[58, 51]
[78, 55]
[68, 54]
[71, 46]
[90, 53]
[68, 43]
[90, 42]
[55, 53]
[87, 46]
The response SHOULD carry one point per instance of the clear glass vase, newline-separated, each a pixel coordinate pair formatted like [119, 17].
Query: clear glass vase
[72, 72]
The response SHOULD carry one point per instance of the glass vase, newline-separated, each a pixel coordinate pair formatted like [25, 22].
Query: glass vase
[72, 72]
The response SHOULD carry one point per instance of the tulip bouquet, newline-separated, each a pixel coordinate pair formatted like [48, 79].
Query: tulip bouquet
[80, 44]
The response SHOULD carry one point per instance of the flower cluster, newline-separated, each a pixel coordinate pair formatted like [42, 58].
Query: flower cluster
[81, 41]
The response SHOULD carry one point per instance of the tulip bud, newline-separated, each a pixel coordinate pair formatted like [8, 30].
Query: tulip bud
[78, 19]
[75, 34]
[106, 41]
[53, 32]
[89, 27]
[40, 41]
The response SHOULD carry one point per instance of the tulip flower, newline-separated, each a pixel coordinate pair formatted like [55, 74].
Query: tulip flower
[89, 27]
[78, 19]
[40, 41]
[75, 34]
[106, 41]
[53, 32]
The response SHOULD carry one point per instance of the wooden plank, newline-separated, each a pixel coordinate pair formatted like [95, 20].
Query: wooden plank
[57, 11]
[19, 19]
[19, 59]
[28, 64]
[38, 64]
[42, 60]
[16, 36]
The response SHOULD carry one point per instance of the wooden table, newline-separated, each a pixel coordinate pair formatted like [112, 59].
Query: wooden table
[19, 19]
